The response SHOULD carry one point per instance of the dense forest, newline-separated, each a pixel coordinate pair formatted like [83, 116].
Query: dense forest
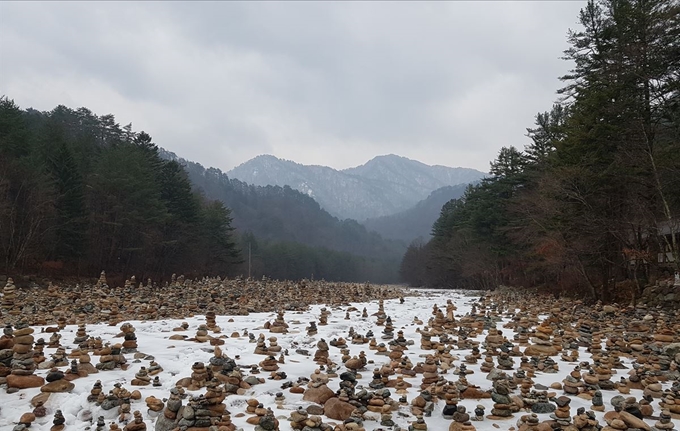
[592, 203]
[79, 193]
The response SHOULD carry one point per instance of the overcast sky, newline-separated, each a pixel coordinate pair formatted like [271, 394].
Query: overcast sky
[316, 82]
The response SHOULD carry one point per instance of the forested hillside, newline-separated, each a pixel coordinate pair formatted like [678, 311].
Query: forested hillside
[592, 204]
[79, 193]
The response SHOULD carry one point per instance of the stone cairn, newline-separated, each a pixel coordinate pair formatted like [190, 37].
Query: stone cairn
[321, 354]
[142, 378]
[56, 382]
[81, 336]
[111, 358]
[503, 405]
[130, 339]
[279, 326]
[22, 364]
[9, 296]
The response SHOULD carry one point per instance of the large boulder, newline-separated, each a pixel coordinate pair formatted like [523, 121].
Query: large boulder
[24, 382]
[61, 385]
[337, 409]
[633, 421]
[540, 350]
[318, 395]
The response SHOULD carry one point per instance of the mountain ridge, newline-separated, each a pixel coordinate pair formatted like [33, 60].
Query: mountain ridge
[382, 186]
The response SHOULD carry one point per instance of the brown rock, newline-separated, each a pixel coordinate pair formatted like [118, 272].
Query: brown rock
[24, 382]
[27, 418]
[62, 385]
[338, 409]
[633, 421]
[318, 395]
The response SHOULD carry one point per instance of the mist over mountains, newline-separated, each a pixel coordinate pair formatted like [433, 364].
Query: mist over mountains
[415, 222]
[383, 186]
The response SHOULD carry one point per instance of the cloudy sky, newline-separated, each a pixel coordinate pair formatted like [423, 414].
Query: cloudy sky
[316, 82]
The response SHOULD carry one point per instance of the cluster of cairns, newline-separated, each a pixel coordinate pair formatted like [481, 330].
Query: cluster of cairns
[633, 357]
[177, 298]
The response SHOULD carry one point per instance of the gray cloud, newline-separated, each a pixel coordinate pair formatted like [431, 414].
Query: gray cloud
[317, 82]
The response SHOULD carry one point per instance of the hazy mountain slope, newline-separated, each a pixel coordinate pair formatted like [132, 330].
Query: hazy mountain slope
[385, 185]
[283, 214]
[416, 221]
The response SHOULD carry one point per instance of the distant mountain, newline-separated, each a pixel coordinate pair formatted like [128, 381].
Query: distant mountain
[415, 222]
[383, 186]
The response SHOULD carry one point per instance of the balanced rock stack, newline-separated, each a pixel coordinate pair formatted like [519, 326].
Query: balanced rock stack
[211, 323]
[664, 423]
[111, 358]
[142, 378]
[130, 343]
[137, 423]
[279, 326]
[9, 295]
[321, 354]
[58, 421]
[202, 333]
[23, 365]
[200, 375]
[542, 344]
[572, 384]
[56, 382]
[461, 420]
[430, 373]
[168, 420]
[503, 405]
[671, 400]
[81, 336]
